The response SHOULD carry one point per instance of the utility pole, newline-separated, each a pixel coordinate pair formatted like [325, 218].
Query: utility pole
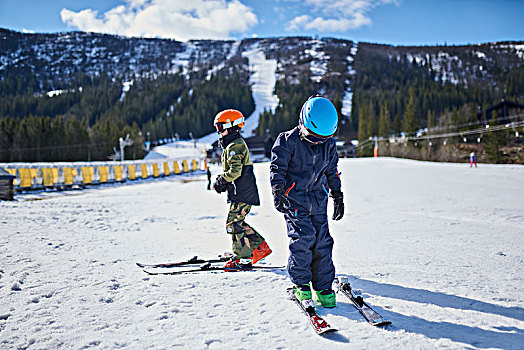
[123, 143]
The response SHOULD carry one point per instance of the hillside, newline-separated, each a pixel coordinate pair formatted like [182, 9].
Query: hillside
[156, 89]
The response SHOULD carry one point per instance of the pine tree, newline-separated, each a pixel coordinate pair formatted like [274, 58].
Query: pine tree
[409, 124]
[494, 141]
[384, 123]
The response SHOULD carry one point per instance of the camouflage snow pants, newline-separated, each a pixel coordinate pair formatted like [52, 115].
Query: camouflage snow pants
[245, 238]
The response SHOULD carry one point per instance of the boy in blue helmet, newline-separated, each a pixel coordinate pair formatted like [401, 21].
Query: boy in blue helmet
[303, 174]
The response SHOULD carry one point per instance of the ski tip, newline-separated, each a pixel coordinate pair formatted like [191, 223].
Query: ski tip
[328, 331]
[140, 265]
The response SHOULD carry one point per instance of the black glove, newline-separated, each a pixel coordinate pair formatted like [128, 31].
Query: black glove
[280, 199]
[220, 184]
[338, 199]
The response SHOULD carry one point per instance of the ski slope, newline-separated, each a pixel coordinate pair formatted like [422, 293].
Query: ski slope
[437, 248]
[262, 80]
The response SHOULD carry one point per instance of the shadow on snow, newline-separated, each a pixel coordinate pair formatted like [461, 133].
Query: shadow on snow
[500, 337]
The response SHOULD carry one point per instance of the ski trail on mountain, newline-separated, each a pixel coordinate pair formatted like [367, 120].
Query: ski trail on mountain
[263, 82]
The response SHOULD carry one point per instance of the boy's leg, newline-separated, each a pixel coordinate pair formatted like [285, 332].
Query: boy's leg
[322, 268]
[245, 238]
[301, 232]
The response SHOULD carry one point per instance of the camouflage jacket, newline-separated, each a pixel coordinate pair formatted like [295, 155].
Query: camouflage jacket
[238, 169]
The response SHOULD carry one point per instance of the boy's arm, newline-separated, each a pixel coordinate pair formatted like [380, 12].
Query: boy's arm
[334, 184]
[235, 155]
[332, 173]
[280, 158]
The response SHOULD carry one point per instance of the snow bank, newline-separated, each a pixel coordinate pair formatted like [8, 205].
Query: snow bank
[437, 249]
[179, 149]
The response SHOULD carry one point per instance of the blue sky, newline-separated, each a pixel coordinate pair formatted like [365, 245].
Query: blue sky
[396, 22]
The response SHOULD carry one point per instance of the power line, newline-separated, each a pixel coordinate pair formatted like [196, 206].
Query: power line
[483, 130]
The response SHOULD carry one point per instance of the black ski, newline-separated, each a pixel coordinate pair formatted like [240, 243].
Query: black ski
[193, 261]
[308, 308]
[374, 318]
[207, 267]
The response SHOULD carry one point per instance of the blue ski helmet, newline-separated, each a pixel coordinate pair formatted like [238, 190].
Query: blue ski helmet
[319, 116]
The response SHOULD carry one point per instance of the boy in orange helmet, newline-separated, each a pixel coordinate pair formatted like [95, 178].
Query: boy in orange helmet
[239, 181]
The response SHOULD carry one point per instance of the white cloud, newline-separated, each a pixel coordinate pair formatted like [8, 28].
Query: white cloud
[337, 16]
[180, 20]
[298, 22]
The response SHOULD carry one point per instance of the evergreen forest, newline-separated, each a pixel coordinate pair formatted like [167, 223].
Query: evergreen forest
[395, 91]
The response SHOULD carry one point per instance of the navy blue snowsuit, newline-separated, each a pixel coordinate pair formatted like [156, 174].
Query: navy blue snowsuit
[308, 171]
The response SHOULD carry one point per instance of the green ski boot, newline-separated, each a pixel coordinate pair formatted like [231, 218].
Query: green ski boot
[303, 292]
[327, 298]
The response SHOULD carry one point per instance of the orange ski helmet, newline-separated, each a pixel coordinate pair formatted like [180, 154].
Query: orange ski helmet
[228, 119]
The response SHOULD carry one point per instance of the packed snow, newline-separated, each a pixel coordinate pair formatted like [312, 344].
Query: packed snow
[179, 149]
[262, 80]
[319, 61]
[347, 101]
[437, 248]
[126, 86]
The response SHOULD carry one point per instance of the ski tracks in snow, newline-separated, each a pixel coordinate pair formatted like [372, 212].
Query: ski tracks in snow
[68, 276]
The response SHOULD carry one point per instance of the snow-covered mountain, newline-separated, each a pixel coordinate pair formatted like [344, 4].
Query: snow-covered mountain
[169, 87]
[459, 64]
[53, 59]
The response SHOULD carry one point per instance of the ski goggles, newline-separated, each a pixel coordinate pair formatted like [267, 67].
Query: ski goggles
[223, 126]
[311, 137]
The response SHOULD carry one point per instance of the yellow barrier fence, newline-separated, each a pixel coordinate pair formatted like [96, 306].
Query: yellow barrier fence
[143, 171]
[87, 175]
[69, 178]
[50, 177]
[26, 179]
[103, 172]
[118, 169]
[131, 172]
[35, 177]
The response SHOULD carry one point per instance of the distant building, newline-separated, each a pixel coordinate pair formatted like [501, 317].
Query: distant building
[259, 149]
[504, 109]
[346, 149]
[6, 185]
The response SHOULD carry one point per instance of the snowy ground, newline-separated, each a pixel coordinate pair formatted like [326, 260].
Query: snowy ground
[179, 150]
[437, 248]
